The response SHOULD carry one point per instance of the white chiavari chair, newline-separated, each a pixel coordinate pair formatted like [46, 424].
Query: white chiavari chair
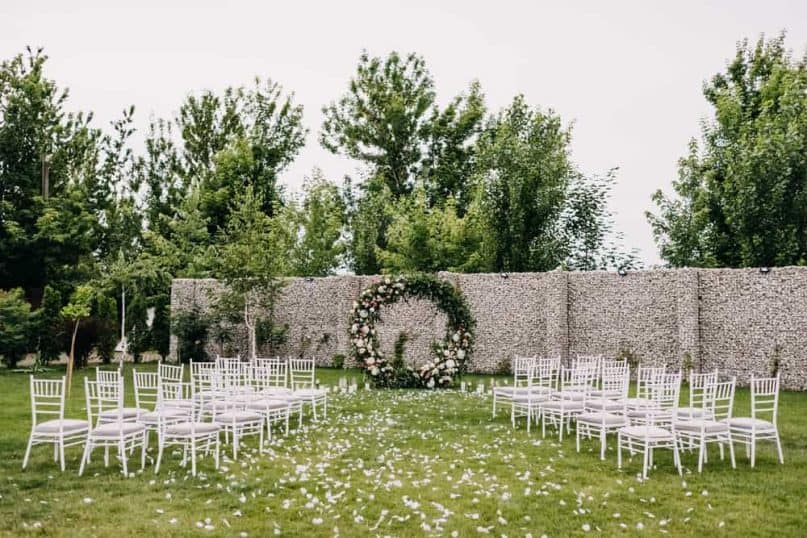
[657, 429]
[568, 401]
[604, 415]
[302, 374]
[713, 426]
[148, 398]
[115, 431]
[47, 402]
[273, 405]
[761, 425]
[700, 391]
[521, 379]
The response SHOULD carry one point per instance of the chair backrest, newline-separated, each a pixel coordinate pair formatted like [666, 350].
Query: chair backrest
[170, 372]
[665, 390]
[586, 360]
[103, 396]
[199, 367]
[522, 370]
[107, 376]
[270, 373]
[581, 377]
[146, 389]
[174, 395]
[228, 373]
[545, 372]
[700, 389]
[47, 399]
[301, 373]
[645, 377]
[616, 377]
[722, 397]
[765, 398]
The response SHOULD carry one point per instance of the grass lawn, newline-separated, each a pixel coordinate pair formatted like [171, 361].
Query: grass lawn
[400, 463]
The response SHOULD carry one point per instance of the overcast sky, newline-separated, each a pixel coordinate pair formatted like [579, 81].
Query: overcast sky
[627, 74]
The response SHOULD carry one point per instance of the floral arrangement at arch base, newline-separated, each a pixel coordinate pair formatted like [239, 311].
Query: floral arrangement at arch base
[449, 357]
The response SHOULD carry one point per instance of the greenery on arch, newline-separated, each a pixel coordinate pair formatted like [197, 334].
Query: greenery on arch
[449, 357]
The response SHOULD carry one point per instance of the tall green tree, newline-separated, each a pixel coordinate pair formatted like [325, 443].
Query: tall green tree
[741, 193]
[525, 168]
[320, 219]
[381, 119]
[251, 259]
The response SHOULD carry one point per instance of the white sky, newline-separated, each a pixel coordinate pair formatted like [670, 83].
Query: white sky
[628, 74]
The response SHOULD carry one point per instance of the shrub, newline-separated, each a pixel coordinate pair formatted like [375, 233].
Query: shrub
[15, 326]
[191, 328]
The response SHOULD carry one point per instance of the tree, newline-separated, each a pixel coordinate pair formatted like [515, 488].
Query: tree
[588, 226]
[368, 216]
[50, 325]
[741, 193]
[320, 218]
[74, 311]
[15, 326]
[450, 156]
[380, 120]
[251, 258]
[430, 239]
[525, 171]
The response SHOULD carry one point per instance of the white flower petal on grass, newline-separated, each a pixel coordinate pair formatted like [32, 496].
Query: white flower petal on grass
[586, 527]
[87, 500]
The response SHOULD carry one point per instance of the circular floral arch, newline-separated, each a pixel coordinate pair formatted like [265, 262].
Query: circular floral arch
[449, 357]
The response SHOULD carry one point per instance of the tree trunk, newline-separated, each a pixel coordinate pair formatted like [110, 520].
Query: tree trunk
[71, 359]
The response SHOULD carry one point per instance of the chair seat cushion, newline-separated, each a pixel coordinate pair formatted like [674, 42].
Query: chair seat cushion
[310, 393]
[609, 419]
[186, 428]
[598, 393]
[245, 398]
[604, 404]
[649, 412]
[748, 423]
[127, 413]
[695, 425]
[563, 405]
[178, 404]
[268, 405]
[237, 416]
[642, 432]
[167, 414]
[116, 429]
[575, 395]
[692, 412]
[525, 397]
[67, 425]
[638, 403]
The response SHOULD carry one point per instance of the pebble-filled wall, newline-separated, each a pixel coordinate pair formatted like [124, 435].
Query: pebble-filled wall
[742, 321]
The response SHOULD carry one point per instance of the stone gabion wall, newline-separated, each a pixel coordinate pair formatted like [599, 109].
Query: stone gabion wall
[737, 320]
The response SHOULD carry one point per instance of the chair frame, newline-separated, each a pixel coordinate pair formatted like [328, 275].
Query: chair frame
[105, 395]
[764, 401]
[48, 400]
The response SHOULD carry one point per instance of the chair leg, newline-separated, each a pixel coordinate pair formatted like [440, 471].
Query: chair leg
[731, 452]
[619, 450]
[28, 451]
[86, 456]
[577, 438]
[677, 459]
[193, 456]
[218, 448]
[602, 442]
[753, 450]
[159, 455]
[145, 442]
[61, 452]
[56, 451]
[122, 454]
[700, 454]
[645, 458]
[260, 440]
[494, 405]
[325, 408]
[779, 448]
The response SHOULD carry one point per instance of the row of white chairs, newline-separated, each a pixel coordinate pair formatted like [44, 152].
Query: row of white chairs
[230, 396]
[593, 394]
